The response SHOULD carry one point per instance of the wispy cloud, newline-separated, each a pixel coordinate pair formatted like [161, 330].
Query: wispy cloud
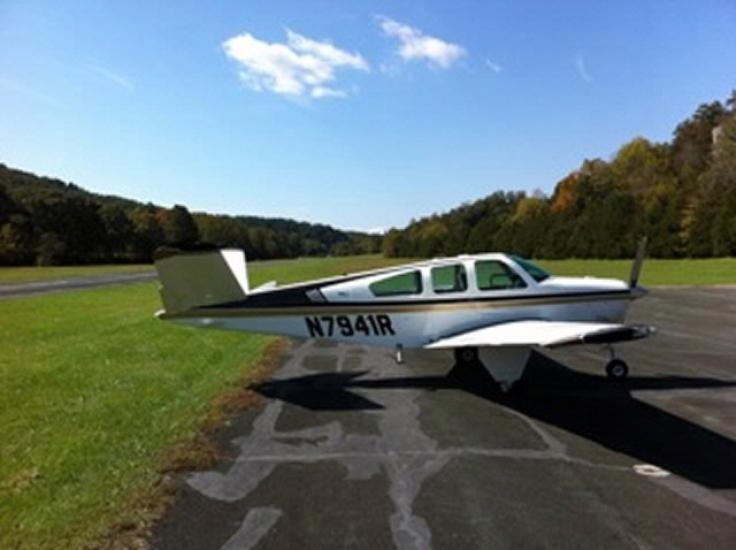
[580, 67]
[415, 45]
[300, 67]
[495, 67]
[113, 77]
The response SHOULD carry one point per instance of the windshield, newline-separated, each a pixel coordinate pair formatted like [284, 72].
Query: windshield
[536, 272]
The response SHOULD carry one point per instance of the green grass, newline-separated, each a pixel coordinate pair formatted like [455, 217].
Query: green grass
[716, 271]
[92, 387]
[13, 275]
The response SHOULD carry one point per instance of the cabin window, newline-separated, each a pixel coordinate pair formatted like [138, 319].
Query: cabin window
[449, 278]
[495, 275]
[398, 285]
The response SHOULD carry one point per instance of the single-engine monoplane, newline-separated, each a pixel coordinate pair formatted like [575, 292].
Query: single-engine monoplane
[489, 309]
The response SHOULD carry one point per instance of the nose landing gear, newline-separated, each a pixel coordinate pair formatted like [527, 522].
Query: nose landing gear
[616, 369]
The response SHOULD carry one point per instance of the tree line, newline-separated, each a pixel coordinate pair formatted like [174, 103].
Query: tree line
[45, 221]
[680, 194]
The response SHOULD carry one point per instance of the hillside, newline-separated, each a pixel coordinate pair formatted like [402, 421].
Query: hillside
[46, 221]
[681, 194]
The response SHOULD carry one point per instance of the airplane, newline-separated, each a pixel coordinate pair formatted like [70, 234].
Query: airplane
[488, 309]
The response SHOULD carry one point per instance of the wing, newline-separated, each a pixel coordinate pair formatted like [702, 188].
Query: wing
[543, 333]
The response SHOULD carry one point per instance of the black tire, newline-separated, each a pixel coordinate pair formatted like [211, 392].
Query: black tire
[466, 356]
[617, 369]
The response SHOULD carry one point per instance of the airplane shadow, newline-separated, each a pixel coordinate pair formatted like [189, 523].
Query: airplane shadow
[589, 406]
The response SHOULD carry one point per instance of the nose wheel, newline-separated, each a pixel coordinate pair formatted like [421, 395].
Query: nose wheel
[616, 369]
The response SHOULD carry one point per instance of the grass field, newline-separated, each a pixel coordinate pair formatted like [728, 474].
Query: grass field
[94, 390]
[13, 275]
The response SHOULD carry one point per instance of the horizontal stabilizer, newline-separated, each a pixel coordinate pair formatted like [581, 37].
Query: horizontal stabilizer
[202, 278]
[543, 333]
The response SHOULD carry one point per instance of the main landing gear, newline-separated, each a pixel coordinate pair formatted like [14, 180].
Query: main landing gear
[466, 356]
[616, 369]
[505, 364]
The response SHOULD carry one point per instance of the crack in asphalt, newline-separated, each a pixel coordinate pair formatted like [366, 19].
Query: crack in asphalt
[256, 524]
[402, 451]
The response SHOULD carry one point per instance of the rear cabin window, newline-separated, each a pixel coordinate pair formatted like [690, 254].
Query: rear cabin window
[398, 285]
[495, 275]
[449, 278]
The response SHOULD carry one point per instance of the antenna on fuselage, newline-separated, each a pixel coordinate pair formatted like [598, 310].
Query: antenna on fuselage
[638, 261]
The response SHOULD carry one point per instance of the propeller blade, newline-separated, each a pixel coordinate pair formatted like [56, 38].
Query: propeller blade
[638, 261]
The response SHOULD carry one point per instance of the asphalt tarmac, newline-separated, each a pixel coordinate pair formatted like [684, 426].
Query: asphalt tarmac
[72, 283]
[351, 450]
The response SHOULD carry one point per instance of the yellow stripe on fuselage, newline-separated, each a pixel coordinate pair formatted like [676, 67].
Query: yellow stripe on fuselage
[387, 307]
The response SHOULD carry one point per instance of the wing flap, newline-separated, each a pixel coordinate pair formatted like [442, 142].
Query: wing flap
[543, 333]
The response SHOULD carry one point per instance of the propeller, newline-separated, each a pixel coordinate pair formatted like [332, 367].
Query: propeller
[638, 261]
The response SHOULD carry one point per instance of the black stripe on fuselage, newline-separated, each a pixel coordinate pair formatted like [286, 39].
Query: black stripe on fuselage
[297, 297]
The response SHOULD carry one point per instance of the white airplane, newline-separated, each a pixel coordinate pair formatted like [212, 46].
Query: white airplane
[490, 309]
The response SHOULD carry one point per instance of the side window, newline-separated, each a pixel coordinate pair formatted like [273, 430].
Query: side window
[494, 275]
[449, 278]
[398, 285]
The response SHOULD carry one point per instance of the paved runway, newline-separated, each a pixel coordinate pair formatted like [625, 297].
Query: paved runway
[73, 283]
[351, 450]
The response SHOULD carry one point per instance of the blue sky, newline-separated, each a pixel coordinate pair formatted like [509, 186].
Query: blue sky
[355, 113]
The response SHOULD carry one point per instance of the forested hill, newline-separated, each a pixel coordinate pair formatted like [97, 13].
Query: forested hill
[681, 194]
[46, 221]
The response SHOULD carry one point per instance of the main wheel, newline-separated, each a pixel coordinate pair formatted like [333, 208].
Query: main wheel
[617, 369]
[466, 356]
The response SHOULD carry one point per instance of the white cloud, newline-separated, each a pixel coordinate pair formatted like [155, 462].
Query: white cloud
[111, 76]
[415, 45]
[495, 67]
[299, 67]
[582, 71]
[324, 91]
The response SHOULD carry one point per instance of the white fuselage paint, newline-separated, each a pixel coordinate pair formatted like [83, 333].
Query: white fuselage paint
[420, 319]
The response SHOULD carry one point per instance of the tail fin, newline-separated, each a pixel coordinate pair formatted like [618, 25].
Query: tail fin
[638, 261]
[202, 278]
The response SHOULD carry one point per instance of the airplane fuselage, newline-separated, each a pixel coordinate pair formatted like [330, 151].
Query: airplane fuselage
[428, 301]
